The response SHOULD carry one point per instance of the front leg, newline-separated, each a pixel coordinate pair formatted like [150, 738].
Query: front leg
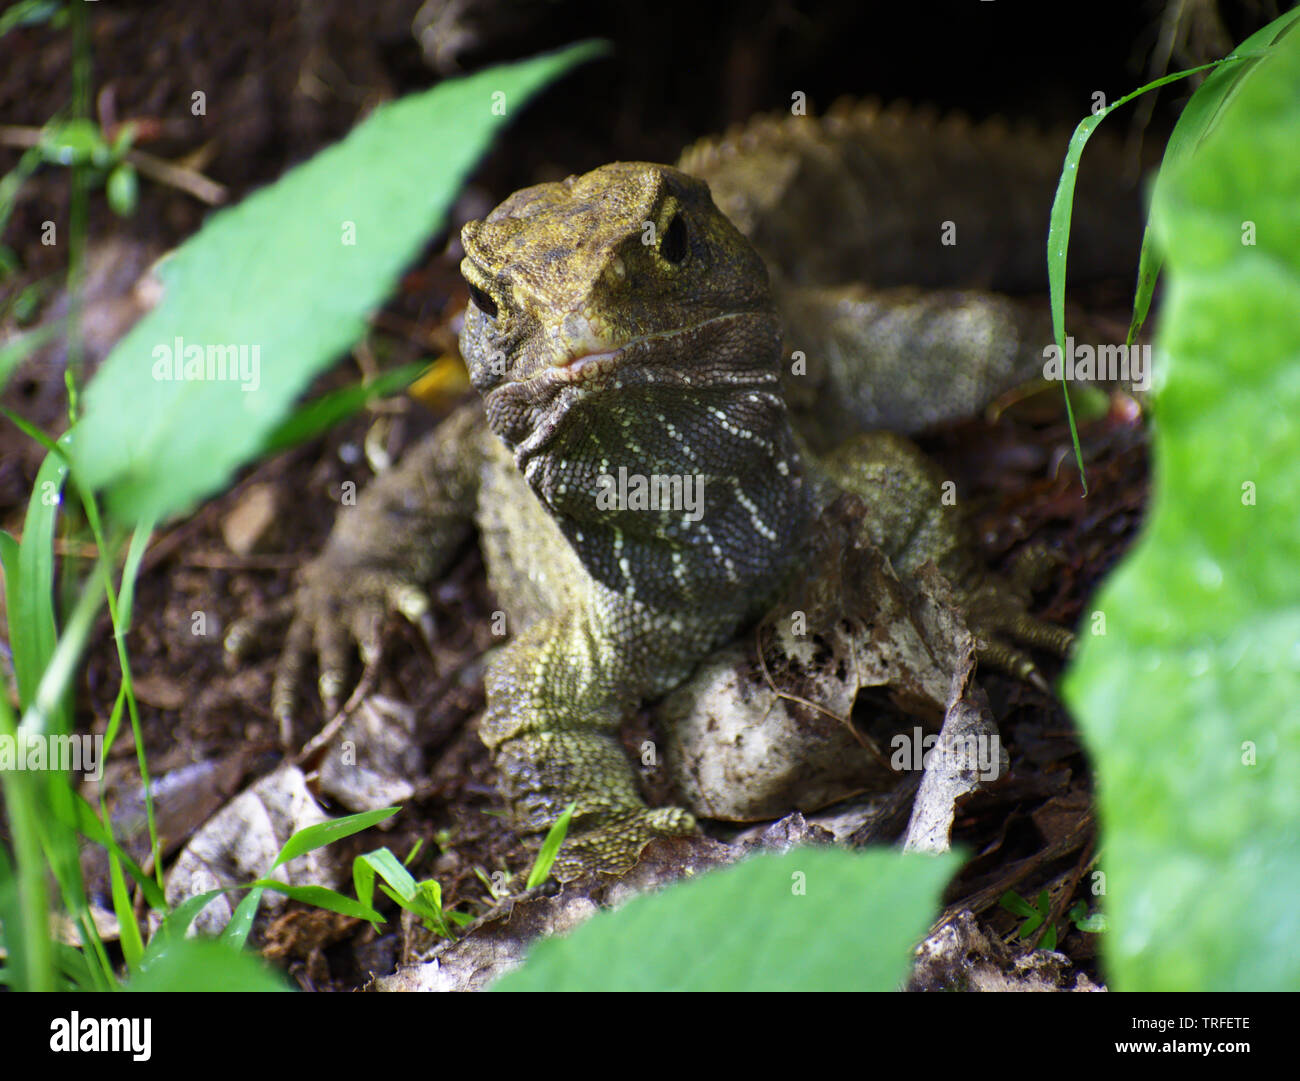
[912, 523]
[381, 556]
[556, 698]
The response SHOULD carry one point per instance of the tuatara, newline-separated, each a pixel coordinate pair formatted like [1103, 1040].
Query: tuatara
[626, 338]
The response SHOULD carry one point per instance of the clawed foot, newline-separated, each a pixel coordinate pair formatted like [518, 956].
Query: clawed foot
[998, 616]
[614, 846]
[337, 609]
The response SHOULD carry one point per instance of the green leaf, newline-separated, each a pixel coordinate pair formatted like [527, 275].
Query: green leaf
[29, 581]
[87, 822]
[324, 833]
[287, 278]
[74, 142]
[815, 919]
[1188, 701]
[387, 865]
[550, 847]
[123, 189]
[1016, 904]
[129, 930]
[177, 922]
[323, 413]
[199, 964]
[236, 932]
[322, 897]
[27, 13]
[1197, 117]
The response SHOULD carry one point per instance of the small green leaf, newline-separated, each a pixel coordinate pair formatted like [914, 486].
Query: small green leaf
[322, 897]
[1016, 904]
[28, 13]
[381, 861]
[177, 922]
[74, 142]
[550, 848]
[129, 930]
[324, 833]
[123, 189]
[241, 920]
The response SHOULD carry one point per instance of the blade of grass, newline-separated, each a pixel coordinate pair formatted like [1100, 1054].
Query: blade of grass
[322, 414]
[129, 930]
[323, 833]
[241, 920]
[29, 582]
[1194, 124]
[550, 848]
[28, 938]
[87, 822]
[1058, 234]
[322, 897]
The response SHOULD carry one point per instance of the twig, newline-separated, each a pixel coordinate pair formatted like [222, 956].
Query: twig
[155, 168]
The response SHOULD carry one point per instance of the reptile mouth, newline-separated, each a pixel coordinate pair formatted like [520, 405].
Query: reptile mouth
[582, 367]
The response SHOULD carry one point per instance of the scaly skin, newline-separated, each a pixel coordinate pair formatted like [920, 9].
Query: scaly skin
[619, 319]
[664, 362]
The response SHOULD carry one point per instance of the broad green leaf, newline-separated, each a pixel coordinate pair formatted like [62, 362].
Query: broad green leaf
[286, 278]
[199, 964]
[815, 919]
[1188, 700]
[1193, 124]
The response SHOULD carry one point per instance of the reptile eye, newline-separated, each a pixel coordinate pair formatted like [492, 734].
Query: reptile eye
[483, 302]
[673, 246]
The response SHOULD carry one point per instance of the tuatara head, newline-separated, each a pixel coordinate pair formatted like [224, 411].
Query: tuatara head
[587, 289]
[622, 327]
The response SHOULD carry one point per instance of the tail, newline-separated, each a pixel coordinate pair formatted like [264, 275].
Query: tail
[900, 197]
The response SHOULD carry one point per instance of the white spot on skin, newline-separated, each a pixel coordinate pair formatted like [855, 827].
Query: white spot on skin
[755, 519]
